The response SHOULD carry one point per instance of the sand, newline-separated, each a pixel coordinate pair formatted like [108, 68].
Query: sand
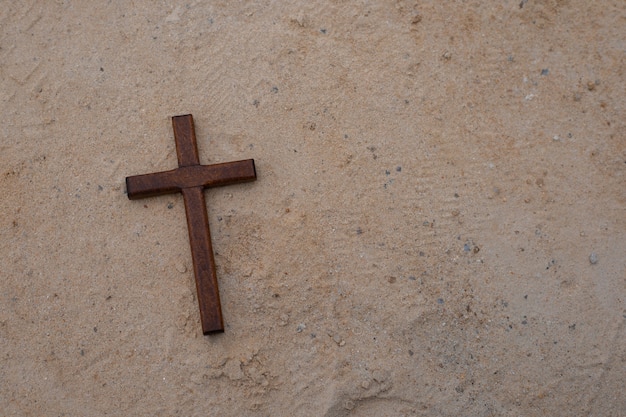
[438, 226]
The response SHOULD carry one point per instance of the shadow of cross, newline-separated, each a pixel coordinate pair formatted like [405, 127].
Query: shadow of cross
[190, 179]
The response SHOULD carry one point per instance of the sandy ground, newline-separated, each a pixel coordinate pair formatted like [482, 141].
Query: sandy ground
[438, 227]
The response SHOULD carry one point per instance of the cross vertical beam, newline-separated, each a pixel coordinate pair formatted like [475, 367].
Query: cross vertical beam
[190, 179]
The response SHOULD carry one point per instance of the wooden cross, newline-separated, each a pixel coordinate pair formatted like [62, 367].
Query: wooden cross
[190, 179]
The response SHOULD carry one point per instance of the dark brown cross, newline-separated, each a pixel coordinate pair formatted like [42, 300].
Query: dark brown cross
[190, 179]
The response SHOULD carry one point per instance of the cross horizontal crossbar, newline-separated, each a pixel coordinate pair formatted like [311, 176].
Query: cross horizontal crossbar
[205, 176]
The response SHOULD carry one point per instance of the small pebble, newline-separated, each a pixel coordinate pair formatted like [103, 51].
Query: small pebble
[593, 258]
[300, 327]
[379, 377]
[180, 267]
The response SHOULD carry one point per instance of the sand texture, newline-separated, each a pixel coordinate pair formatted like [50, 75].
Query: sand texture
[438, 227]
